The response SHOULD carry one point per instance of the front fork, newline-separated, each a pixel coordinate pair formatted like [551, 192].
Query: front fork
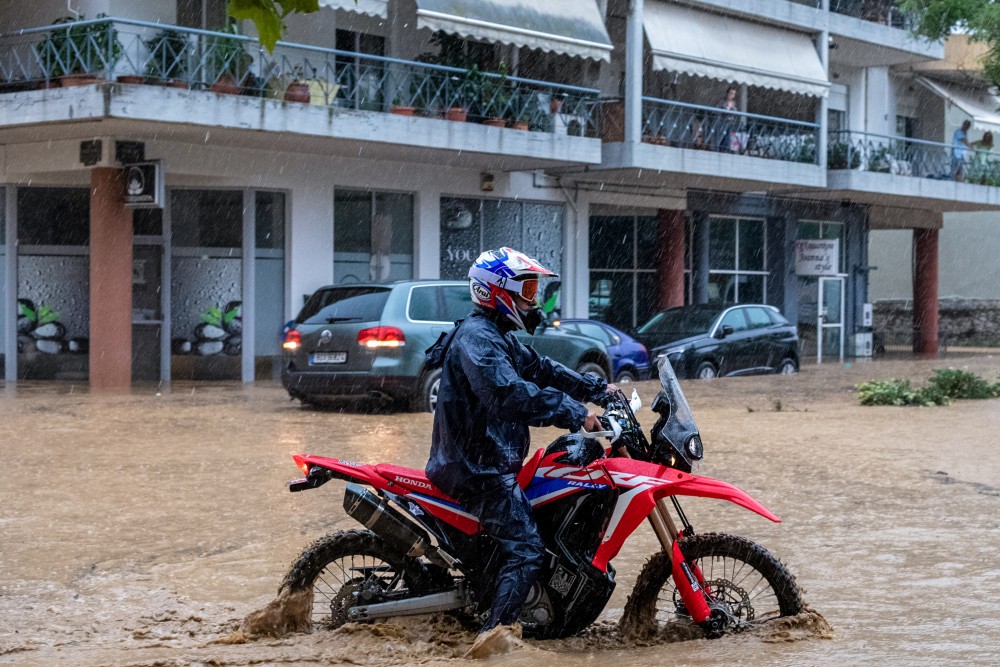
[687, 576]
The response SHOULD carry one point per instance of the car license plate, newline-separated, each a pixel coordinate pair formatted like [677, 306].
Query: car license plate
[328, 358]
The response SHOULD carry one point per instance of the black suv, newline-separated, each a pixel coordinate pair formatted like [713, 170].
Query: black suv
[370, 339]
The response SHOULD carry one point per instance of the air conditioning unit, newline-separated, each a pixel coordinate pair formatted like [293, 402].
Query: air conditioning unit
[863, 346]
[866, 315]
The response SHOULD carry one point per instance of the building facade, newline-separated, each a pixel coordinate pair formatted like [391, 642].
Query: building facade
[390, 139]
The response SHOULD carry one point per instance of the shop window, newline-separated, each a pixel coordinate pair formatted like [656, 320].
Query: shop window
[53, 283]
[372, 236]
[206, 284]
[624, 291]
[736, 261]
[471, 226]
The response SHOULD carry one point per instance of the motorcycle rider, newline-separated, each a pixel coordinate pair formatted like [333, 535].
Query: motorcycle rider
[492, 389]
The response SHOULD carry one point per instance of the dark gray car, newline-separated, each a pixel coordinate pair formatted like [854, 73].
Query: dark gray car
[707, 341]
[370, 339]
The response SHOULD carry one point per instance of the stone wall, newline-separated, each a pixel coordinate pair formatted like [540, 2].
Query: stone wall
[974, 322]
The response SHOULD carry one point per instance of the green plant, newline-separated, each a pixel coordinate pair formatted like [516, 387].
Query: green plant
[168, 55]
[959, 384]
[899, 392]
[837, 157]
[225, 55]
[80, 49]
[43, 315]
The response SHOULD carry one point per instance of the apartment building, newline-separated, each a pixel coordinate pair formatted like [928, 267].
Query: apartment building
[653, 152]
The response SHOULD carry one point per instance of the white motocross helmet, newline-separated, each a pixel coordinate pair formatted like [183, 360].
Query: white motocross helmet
[498, 275]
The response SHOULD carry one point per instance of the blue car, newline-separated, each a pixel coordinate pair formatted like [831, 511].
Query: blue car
[629, 357]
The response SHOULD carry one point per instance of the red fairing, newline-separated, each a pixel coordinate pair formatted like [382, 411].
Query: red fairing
[642, 484]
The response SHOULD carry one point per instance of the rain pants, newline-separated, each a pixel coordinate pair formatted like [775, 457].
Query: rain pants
[492, 389]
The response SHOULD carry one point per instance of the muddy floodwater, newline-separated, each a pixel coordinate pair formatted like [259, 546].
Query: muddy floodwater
[141, 529]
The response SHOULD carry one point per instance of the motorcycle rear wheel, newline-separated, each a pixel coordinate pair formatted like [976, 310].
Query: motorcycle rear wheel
[749, 582]
[346, 566]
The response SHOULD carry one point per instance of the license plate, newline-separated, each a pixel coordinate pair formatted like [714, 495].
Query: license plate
[328, 358]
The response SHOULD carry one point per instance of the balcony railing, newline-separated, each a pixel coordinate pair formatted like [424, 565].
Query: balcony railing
[885, 12]
[912, 157]
[141, 52]
[685, 125]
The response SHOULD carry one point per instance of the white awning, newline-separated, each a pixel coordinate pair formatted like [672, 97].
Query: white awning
[980, 105]
[729, 49]
[369, 7]
[570, 27]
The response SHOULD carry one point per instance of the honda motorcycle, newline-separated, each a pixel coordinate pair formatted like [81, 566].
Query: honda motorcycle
[422, 551]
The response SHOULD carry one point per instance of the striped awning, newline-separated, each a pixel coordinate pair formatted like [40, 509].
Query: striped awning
[369, 7]
[569, 27]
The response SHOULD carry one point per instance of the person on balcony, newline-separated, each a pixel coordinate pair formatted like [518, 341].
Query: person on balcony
[960, 151]
[729, 139]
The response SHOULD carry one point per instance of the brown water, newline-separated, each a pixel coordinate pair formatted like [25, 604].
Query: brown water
[141, 529]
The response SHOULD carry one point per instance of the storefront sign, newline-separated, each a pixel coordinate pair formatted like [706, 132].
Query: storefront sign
[144, 186]
[817, 258]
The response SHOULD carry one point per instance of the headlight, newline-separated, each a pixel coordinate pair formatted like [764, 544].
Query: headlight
[694, 448]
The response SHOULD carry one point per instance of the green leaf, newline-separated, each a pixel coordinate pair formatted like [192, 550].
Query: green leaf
[46, 315]
[213, 317]
[231, 315]
[28, 312]
[269, 16]
[550, 304]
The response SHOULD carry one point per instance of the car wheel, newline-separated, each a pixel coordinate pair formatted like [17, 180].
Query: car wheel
[706, 371]
[626, 375]
[428, 397]
[787, 367]
[591, 367]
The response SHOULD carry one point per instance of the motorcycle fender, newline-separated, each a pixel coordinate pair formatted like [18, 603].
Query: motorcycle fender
[642, 484]
[350, 471]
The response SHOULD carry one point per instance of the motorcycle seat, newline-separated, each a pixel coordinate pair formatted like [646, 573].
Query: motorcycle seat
[410, 479]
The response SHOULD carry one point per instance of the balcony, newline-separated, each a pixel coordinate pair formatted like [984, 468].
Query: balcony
[691, 145]
[888, 170]
[157, 73]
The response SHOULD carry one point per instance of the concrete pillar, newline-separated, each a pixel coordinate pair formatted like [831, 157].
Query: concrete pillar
[633, 72]
[670, 257]
[925, 292]
[700, 261]
[110, 282]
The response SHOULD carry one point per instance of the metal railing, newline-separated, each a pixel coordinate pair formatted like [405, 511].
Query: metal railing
[683, 125]
[884, 12]
[912, 157]
[110, 48]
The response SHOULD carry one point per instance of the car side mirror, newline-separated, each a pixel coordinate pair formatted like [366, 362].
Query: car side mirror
[616, 339]
[724, 330]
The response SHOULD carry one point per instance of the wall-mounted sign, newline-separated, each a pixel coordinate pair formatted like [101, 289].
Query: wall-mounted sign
[817, 258]
[144, 186]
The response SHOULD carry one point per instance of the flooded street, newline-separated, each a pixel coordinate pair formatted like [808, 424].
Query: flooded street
[141, 529]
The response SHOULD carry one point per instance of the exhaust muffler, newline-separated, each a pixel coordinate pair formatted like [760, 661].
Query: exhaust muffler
[386, 522]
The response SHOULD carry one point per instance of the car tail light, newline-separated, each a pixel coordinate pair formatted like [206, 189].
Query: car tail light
[293, 340]
[381, 337]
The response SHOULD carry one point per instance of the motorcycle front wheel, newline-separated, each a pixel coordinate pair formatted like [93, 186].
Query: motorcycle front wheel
[346, 568]
[747, 583]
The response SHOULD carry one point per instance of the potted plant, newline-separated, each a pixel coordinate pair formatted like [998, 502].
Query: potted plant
[495, 97]
[468, 91]
[79, 54]
[838, 157]
[399, 109]
[227, 62]
[298, 89]
[168, 58]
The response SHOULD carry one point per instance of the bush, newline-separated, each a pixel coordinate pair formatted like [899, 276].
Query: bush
[963, 384]
[899, 392]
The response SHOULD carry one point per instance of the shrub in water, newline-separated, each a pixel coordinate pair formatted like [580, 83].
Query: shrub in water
[899, 392]
[963, 384]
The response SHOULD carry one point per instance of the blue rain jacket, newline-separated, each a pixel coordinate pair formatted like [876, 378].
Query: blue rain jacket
[492, 389]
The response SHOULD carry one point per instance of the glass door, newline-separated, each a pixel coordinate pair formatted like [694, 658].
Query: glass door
[147, 312]
[830, 319]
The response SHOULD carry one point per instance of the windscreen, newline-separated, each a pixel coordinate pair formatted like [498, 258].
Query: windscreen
[680, 411]
[680, 322]
[344, 304]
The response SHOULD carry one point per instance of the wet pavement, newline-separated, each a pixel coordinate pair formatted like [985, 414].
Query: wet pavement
[140, 529]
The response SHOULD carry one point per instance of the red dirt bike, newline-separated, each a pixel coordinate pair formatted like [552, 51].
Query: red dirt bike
[423, 552]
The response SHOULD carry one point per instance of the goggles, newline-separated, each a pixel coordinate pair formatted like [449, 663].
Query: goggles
[527, 289]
